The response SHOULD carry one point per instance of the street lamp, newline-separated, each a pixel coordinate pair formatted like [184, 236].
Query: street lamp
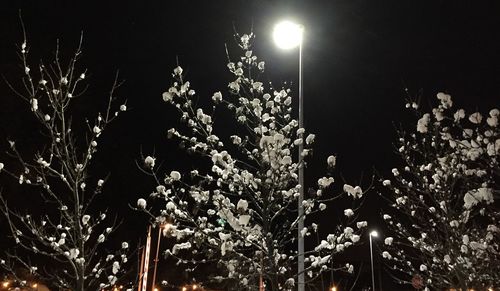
[373, 233]
[165, 226]
[288, 35]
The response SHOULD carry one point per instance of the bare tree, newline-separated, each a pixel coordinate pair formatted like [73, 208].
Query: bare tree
[71, 232]
[237, 209]
[444, 218]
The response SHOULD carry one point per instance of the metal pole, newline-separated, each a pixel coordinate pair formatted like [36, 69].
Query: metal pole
[146, 261]
[156, 258]
[371, 259]
[141, 269]
[301, 283]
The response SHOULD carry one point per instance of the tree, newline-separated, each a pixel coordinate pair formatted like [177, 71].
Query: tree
[443, 215]
[237, 208]
[65, 240]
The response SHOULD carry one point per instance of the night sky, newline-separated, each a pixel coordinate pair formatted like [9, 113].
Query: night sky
[359, 56]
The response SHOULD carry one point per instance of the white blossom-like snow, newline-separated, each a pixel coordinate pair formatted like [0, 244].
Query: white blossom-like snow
[244, 219]
[34, 104]
[473, 197]
[217, 97]
[141, 203]
[242, 205]
[423, 123]
[73, 253]
[175, 175]
[361, 224]
[325, 182]
[85, 219]
[149, 162]
[350, 268]
[178, 71]
[167, 96]
[348, 212]
[331, 161]
[445, 100]
[476, 118]
[310, 139]
[355, 192]
[170, 206]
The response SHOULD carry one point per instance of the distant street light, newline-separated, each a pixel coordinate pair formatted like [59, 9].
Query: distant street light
[334, 288]
[288, 35]
[374, 233]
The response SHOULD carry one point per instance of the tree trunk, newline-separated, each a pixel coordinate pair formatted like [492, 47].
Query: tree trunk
[462, 281]
[80, 280]
[79, 285]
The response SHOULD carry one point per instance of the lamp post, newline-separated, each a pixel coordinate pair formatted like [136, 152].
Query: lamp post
[374, 233]
[165, 226]
[288, 35]
[143, 273]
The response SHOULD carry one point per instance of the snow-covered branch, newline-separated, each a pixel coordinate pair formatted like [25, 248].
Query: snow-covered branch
[69, 231]
[444, 220]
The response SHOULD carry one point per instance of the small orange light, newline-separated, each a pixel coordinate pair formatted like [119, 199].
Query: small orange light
[5, 284]
[195, 286]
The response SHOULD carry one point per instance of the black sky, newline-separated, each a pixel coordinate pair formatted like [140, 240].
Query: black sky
[358, 57]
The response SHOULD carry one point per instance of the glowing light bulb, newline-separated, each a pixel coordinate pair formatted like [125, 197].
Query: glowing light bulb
[287, 34]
